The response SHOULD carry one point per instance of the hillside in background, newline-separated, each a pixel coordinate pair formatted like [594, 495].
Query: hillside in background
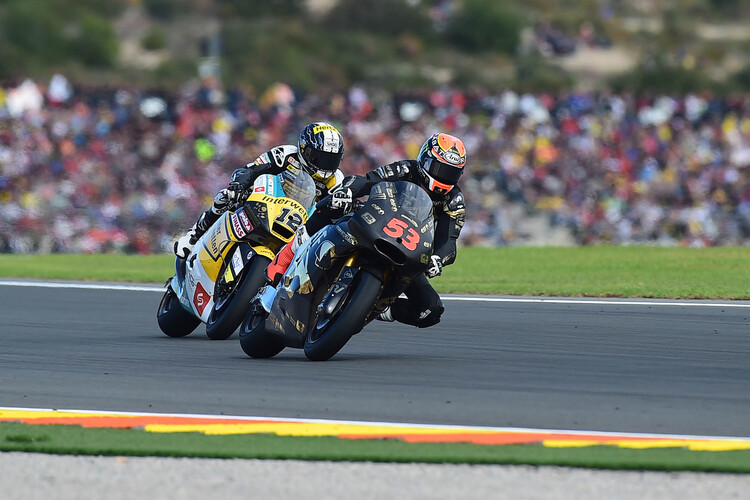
[679, 45]
[123, 147]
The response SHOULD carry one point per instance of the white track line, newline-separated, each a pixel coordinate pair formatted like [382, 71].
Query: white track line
[447, 297]
[386, 424]
[607, 302]
[85, 286]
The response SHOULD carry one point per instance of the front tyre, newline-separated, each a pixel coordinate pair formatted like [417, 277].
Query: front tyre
[324, 339]
[173, 319]
[230, 307]
[256, 341]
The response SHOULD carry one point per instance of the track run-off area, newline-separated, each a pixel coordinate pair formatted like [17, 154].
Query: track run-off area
[497, 370]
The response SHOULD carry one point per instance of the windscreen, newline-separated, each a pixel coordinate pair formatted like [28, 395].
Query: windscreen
[409, 197]
[299, 186]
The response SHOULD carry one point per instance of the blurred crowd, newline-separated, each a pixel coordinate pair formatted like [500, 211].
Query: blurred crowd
[125, 169]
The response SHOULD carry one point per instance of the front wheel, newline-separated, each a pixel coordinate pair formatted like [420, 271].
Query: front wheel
[256, 341]
[173, 319]
[326, 338]
[231, 305]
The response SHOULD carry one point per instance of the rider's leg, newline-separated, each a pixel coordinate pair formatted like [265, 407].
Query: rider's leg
[278, 267]
[283, 259]
[422, 307]
[320, 218]
[184, 245]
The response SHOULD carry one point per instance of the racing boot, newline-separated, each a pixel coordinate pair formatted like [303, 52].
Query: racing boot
[263, 300]
[185, 245]
[222, 202]
[385, 315]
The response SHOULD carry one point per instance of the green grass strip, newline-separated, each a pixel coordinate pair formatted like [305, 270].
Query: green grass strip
[721, 273]
[69, 439]
[89, 267]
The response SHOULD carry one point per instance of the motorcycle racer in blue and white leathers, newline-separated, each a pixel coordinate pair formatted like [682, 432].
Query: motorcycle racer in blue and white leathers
[318, 151]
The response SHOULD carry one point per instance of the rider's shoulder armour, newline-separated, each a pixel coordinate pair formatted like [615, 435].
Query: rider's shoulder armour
[280, 156]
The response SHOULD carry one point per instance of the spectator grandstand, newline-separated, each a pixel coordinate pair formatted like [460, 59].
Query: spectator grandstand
[125, 169]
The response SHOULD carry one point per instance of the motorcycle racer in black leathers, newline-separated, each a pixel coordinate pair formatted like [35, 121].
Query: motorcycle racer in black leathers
[437, 169]
[319, 151]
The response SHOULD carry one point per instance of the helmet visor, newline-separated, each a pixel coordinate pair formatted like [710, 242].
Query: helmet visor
[437, 186]
[320, 162]
[442, 172]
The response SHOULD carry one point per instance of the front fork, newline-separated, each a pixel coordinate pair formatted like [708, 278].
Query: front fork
[336, 296]
[338, 291]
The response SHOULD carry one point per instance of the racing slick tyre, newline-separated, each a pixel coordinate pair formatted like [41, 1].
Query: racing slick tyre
[173, 319]
[255, 341]
[232, 300]
[326, 337]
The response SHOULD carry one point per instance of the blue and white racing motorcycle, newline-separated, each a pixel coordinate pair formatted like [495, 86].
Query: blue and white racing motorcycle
[218, 280]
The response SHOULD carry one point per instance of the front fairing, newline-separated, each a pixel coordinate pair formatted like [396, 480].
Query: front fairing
[318, 261]
[278, 206]
[305, 282]
[269, 218]
[399, 215]
[178, 284]
[194, 285]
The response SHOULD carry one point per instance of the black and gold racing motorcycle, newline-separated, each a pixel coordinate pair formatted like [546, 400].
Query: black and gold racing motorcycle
[346, 274]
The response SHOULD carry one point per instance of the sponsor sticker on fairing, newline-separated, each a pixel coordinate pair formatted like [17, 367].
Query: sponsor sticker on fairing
[245, 221]
[200, 299]
[236, 226]
[237, 262]
[347, 236]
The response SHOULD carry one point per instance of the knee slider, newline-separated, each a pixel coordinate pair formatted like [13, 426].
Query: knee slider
[432, 317]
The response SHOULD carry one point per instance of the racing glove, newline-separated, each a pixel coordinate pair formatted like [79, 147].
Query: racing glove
[239, 192]
[435, 268]
[229, 197]
[341, 199]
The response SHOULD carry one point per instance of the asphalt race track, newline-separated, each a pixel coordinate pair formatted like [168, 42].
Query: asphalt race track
[635, 368]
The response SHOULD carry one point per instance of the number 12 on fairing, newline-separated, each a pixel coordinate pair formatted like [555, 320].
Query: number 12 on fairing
[290, 219]
[395, 228]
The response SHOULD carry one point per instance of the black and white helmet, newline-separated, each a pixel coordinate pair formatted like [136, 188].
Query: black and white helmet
[321, 148]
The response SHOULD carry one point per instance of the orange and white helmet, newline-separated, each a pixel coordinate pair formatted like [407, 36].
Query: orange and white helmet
[441, 162]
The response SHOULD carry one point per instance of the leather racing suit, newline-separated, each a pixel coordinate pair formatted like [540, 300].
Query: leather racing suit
[271, 162]
[422, 307]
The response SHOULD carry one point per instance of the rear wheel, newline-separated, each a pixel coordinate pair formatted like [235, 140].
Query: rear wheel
[173, 319]
[256, 341]
[326, 337]
[232, 300]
